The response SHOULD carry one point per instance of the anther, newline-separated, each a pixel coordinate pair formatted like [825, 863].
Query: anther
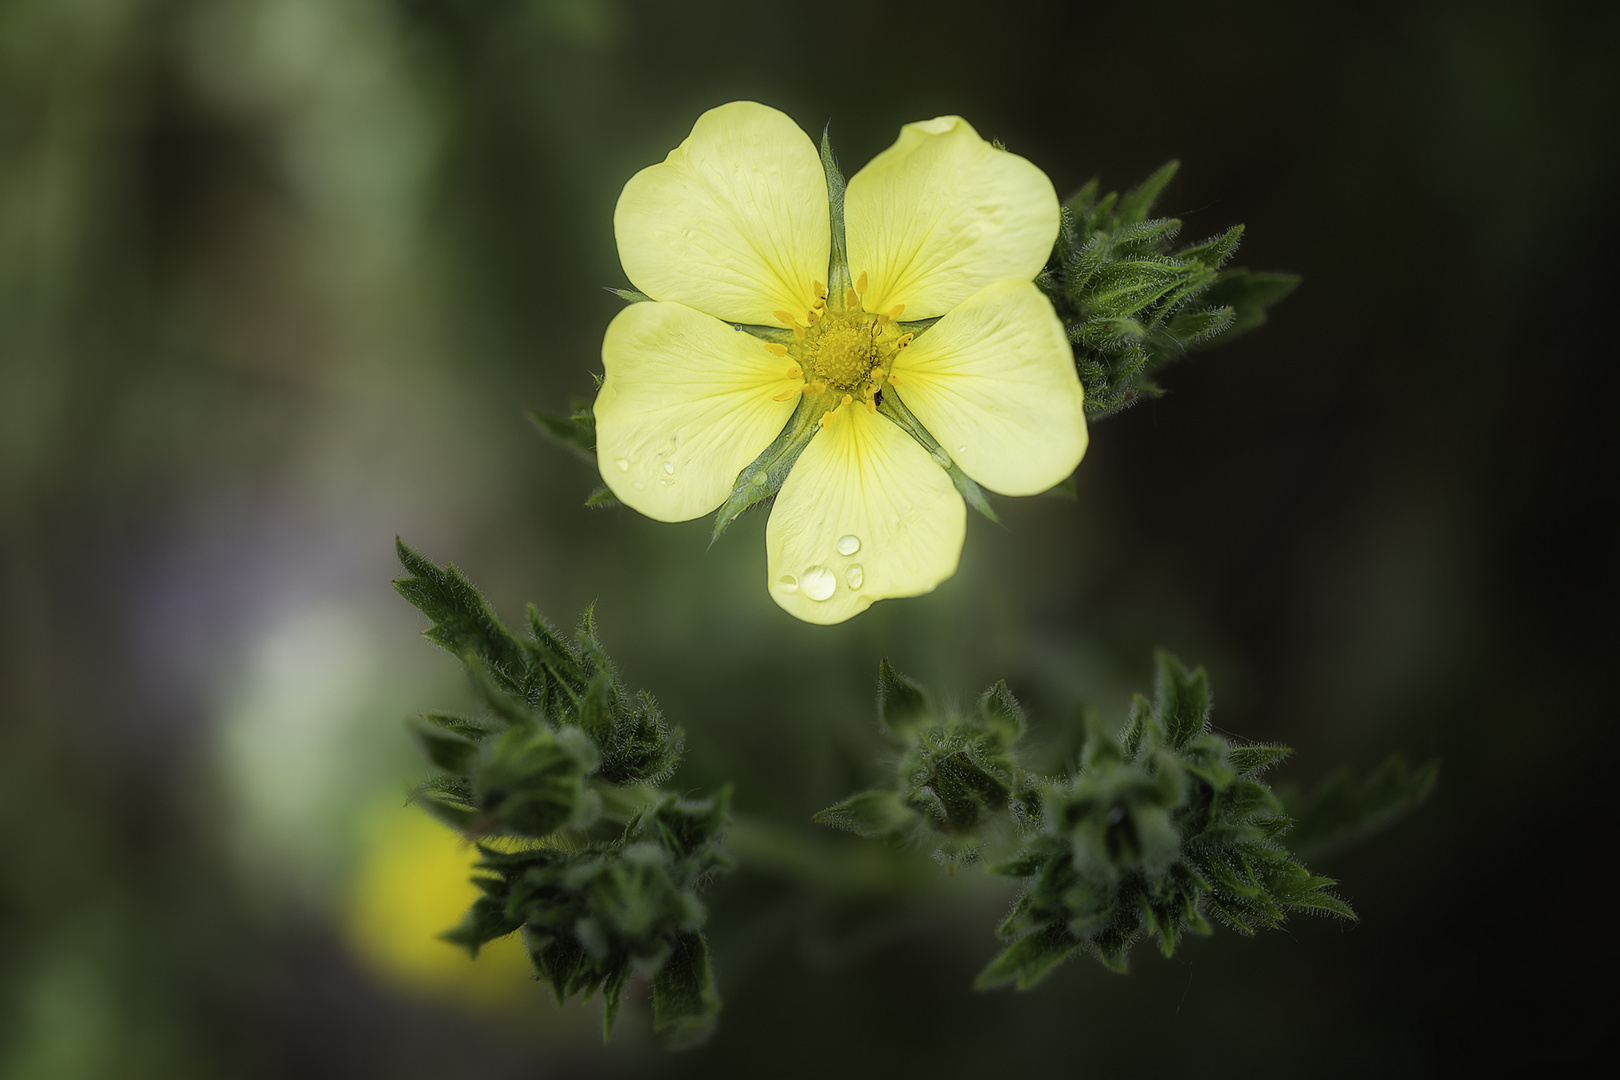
[860, 283]
[795, 372]
[852, 298]
[798, 331]
[828, 419]
[821, 290]
[847, 400]
[786, 394]
[894, 312]
[904, 340]
[815, 316]
[871, 406]
[775, 349]
[785, 318]
[894, 380]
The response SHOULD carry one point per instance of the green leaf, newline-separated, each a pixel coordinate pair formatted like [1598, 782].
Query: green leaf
[629, 296]
[1249, 294]
[683, 990]
[1029, 959]
[1342, 810]
[1183, 701]
[1139, 202]
[462, 621]
[448, 748]
[485, 921]
[902, 705]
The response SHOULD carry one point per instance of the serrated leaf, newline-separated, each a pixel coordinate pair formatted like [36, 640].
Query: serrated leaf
[1342, 810]
[462, 621]
[1183, 704]
[485, 921]
[1251, 761]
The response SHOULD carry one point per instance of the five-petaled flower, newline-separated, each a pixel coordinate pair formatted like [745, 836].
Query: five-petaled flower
[759, 326]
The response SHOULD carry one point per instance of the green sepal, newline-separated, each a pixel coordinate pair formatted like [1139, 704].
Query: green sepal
[902, 704]
[1252, 760]
[764, 477]
[870, 814]
[1138, 202]
[838, 277]
[971, 493]
[1249, 294]
[1002, 712]
[576, 431]
[629, 296]
[462, 622]
[1183, 699]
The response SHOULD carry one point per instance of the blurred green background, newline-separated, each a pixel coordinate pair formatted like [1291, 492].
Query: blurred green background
[279, 277]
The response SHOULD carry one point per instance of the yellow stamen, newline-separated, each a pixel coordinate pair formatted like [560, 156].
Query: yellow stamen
[904, 340]
[785, 318]
[784, 395]
[894, 380]
[894, 312]
[817, 387]
[851, 298]
[828, 419]
[871, 406]
[775, 349]
[821, 290]
[860, 283]
[847, 400]
[795, 372]
[815, 317]
[798, 331]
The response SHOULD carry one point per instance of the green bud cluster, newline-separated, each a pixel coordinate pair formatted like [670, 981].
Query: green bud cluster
[957, 781]
[1158, 828]
[1131, 304]
[599, 869]
[1154, 832]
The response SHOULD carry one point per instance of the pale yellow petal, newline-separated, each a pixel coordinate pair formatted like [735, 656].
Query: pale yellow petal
[866, 514]
[941, 214]
[734, 222]
[686, 402]
[994, 381]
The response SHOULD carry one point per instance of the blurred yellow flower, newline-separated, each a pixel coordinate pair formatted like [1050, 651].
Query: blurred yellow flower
[756, 315]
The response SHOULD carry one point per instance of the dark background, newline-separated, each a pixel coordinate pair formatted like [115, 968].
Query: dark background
[278, 277]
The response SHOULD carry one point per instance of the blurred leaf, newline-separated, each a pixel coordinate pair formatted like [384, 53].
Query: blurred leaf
[1342, 811]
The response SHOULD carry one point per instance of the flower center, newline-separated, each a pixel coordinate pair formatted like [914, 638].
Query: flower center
[844, 353]
[849, 352]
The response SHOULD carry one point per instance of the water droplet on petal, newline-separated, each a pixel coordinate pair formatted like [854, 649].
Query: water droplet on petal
[622, 463]
[961, 449]
[855, 575]
[848, 545]
[819, 583]
[666, 482]
[638, 485]
[669, 467]
[788, 583]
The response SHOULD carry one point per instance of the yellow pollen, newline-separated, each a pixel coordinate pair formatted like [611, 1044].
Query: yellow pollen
[904, 340]
[894, 312]
[795, 372]
[871, 406]
[860, 283]
[852, 298]
[798, 331]
[785, 318]
[894, 380]
[821, 290]
[786, 394]
[815, 317]
[775, 349]
[847, 400]
[828, 419]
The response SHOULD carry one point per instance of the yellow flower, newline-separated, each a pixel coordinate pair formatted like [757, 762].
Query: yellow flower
[870, 351]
